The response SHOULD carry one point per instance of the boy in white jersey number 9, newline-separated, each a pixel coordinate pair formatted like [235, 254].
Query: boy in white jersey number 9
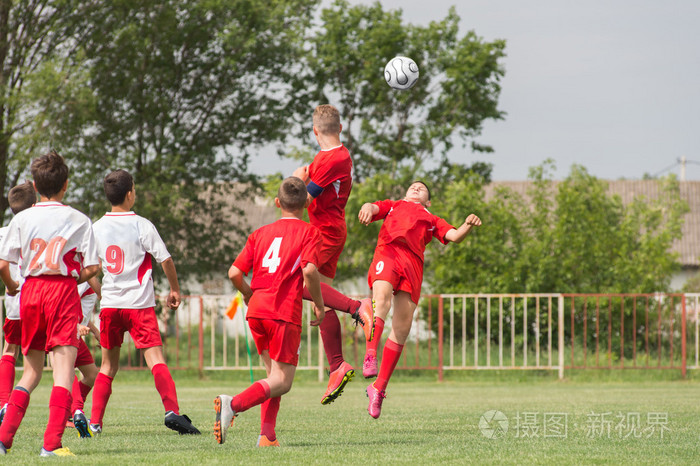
[126, 242]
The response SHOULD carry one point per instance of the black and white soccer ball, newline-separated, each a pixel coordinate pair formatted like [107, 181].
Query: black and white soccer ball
[401, 73]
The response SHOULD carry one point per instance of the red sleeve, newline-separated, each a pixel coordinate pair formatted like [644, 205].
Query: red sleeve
[441, 229]
[384, 209]
[244, 261]
[327, 172]
[312, 245]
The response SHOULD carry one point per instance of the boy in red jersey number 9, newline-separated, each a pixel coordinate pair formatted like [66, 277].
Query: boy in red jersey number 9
[397, 269]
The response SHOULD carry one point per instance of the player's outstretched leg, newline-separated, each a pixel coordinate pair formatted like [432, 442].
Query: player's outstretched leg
[224, 417]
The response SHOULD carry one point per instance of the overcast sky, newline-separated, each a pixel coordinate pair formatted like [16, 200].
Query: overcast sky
[613, 85]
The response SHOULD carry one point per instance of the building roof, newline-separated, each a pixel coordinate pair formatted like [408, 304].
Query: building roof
[688, 246]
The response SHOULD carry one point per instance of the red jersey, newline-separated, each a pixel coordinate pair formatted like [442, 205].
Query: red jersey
[409, 223]
[277, 253]
[332, 171]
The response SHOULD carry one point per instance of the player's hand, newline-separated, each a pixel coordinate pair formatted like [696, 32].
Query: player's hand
[96, 334]
[173, 299]
[320, 314]
[473, 220]
[302, 172]
[83, 330]
[13, 289]
[366, 214]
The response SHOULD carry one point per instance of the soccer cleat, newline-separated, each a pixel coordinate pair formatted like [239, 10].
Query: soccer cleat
[337, 381]
[81, 424]
[376, 397]
[95, 430]
[180, 423]
[3, 410]
[63, 451]
[263, 441]
[224, 417]
[370, 366]
[364, 316]
[70, 424]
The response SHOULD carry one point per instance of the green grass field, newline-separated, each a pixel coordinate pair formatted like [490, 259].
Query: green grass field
[423, 422]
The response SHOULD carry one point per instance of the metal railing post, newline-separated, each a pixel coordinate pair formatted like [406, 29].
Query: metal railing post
[561, 336]
[440, 338]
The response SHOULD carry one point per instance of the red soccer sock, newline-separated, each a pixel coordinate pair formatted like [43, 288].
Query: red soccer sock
[268, 417]
[332, 340]
[166, 387]
[7, 377]
[334, 299]
[59, 411]
[372, 347]
[16, 407]
[100, 397]
[251, 396]
[80, 392]
[390, 357]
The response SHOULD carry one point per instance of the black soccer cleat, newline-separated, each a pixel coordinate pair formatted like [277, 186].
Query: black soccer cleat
[81, 424]
[180, 423]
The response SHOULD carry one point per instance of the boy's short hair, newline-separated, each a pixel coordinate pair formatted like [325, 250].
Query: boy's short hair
[327, 119]
[117, 185]
[50, 173]
[21, 197]
[292, 193]
[424, 184]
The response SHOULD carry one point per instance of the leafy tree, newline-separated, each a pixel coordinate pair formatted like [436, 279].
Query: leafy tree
[389, 131]
[185, 91]
[42, 83]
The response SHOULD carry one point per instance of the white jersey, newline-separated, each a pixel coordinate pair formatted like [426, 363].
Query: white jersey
[88, 299]
[50, 239]
[126, 243]
[11, 302]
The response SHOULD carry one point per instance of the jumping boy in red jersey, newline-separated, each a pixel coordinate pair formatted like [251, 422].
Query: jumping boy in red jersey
[54, 246]
[397, 269]
[329, 181]
[283, 256]
[126, 242]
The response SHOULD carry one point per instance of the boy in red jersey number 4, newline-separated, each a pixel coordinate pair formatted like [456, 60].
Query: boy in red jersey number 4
[126, 243]
[54, 246]
[397, 269]
[329, 181]
[283, 256]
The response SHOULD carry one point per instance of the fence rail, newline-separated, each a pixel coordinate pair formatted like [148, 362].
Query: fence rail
[452, 332]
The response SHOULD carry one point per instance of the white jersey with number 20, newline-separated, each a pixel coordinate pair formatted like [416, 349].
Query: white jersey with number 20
[126, 243]
[50, 239]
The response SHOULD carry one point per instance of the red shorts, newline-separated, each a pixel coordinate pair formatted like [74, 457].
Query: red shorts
[84, 357]
[50, 310]
[141, 324]
[13, 331]
[282, 339]
[328, 255]
[400, 267]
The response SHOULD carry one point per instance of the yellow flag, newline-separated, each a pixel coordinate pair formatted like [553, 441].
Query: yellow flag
[234, 305]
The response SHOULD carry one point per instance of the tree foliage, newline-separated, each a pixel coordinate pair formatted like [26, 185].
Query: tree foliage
[388, 131]
[568, 237]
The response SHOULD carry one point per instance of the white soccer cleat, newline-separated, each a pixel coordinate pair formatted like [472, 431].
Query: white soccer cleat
[224, 417]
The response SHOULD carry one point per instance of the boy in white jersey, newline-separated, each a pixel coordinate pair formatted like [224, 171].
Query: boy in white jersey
[20, 197]
[126, 243]
[54, 246]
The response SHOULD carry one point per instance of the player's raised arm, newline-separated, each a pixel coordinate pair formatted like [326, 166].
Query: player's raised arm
[457, 235]
[367, 212]
[312, 279]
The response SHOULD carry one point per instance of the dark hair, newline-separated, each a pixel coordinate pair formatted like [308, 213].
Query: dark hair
[21, 197]
[117, 185]
[423, 183]
[292, 193]
[50, 173]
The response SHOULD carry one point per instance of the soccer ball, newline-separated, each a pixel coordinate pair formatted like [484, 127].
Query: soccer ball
[401, 73]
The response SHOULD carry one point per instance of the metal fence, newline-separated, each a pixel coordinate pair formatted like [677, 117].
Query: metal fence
[452, 332]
